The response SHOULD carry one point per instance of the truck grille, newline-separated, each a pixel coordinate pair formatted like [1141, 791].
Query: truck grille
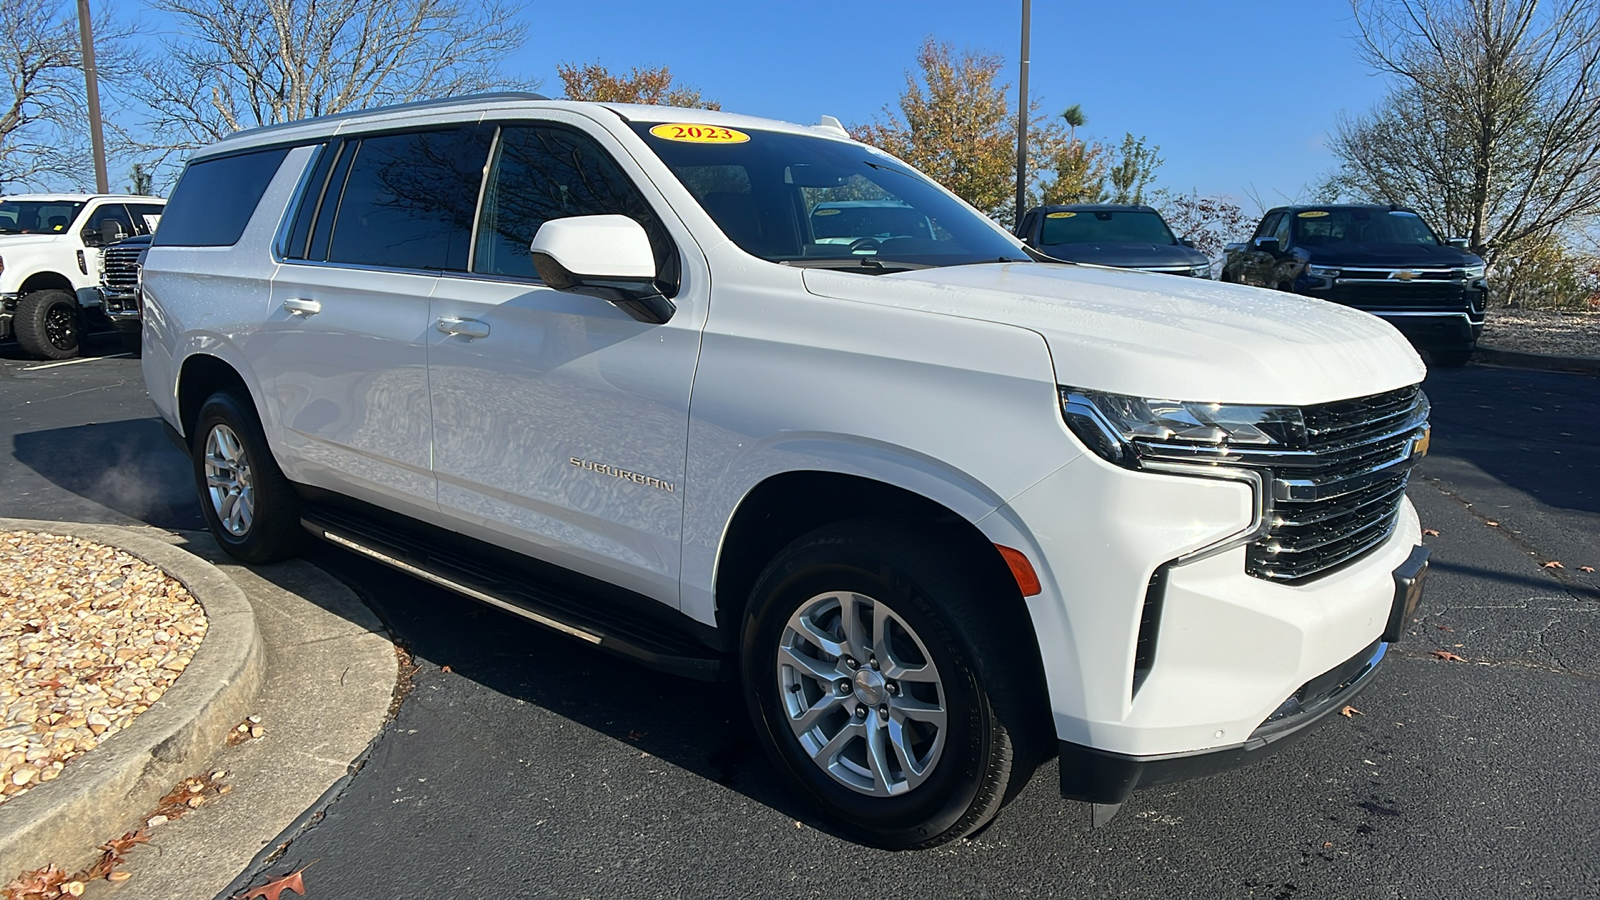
[1397, 295]
[121, 278]
[1338, 495]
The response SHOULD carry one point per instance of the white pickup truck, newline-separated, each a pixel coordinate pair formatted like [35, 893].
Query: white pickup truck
[942, 507]
[50, 262]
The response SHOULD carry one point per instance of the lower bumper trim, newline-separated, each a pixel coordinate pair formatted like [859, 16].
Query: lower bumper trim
[1101, 776]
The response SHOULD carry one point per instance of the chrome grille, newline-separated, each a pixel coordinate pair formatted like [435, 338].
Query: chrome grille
[121, 276]
[1340, 496]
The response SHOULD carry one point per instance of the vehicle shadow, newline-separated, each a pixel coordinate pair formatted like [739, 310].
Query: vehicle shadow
[104, 343]
[1531, 431]
[128, 466]
[700, 727]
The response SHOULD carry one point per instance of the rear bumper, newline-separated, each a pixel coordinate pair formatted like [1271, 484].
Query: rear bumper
[1102, 776]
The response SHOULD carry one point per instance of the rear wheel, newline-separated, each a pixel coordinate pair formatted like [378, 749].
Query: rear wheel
[49, 324]
[251, 507]
[885, 683]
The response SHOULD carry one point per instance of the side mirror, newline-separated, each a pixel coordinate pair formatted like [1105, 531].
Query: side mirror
[1268, 245]
[91, 237]
[1460, 243]
[602, 256]
[1186, 242]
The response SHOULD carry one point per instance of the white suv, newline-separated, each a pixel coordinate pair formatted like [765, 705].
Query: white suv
[50, 263]
[942, 508]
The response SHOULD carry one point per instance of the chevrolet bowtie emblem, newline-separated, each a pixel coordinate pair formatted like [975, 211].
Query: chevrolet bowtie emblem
[1406, 274]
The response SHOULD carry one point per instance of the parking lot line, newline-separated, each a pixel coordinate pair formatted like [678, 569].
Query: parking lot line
[73, 362]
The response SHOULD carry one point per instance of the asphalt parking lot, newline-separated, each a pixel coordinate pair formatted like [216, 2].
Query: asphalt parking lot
[535, 767]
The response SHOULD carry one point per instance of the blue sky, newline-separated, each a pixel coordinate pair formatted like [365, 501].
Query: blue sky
[1239, 94]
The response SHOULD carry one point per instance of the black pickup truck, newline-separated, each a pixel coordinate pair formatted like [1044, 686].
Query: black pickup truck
[1381, 259]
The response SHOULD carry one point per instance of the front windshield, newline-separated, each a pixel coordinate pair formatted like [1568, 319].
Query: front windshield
[37, 216]
[813, 201]
[1339, 227]
[1102, 226]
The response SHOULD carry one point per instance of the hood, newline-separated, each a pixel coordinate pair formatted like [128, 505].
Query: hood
[1420, 256]
[1159, 336]
[14, 241]
[1127, 256]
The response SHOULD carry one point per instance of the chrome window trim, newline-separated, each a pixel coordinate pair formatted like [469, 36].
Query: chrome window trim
[286, 220]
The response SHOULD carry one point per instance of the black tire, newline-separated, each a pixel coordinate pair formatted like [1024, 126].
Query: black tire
[49, 324]
[272, 530]
[986, 664]
[1453, 358]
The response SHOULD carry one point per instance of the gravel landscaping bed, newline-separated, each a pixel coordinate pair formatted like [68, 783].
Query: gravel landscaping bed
[1558, 333]
[90, 637]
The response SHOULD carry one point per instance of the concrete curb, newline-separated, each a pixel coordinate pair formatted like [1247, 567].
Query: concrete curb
[106, 791]
[1517, 359]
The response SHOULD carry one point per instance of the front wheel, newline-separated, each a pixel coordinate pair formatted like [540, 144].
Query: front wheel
[251, 507]
[888, 683]
[49, 324]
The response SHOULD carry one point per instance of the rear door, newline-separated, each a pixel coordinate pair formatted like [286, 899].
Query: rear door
[560, 423]
[344, 349]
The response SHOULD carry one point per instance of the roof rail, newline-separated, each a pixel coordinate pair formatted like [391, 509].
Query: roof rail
[436, 103]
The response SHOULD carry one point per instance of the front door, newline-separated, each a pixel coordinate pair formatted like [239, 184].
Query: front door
[560, 423]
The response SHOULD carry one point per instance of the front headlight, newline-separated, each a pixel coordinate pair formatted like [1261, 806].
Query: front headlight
[1322, 271]
[1201, 271]
[1122, 429]
[1474, 272]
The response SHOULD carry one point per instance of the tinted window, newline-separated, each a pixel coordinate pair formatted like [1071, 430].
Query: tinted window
[215, 198]
[543, 173]
[1267, 225]
[409, 200]
[37, 216]
[1107, 226]
[145, 216]
[112, 217]
[305, 209]
[1329, 227]
[784, 179]
[1282, 232]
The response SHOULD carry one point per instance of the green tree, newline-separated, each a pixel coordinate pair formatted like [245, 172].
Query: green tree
[139, 180]
[593, 81]
[954, 122]
[1131, 169]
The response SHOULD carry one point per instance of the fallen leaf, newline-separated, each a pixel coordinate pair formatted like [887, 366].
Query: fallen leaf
[118, 877]
[40, 882]
[1490, 522]
[1327, 845]
[127, 842]
[272, 890]
[1444, 628]
[1586, 568]
[1431, 532]
[1350, 712]
[1447, 655]
[1553, 564]
[635, 735]
[446, 669]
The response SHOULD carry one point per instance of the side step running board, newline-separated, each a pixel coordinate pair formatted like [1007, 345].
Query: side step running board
[546, 606]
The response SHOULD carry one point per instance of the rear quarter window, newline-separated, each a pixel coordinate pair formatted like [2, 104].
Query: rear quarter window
[215, 199]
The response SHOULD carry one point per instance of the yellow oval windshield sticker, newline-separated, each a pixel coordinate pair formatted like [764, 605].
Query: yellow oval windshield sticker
[1313, 214]
[827, 212]
[699, 134]
[1059, 215]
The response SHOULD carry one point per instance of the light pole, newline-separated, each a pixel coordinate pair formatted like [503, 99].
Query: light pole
[1022, 119]
[92, 84]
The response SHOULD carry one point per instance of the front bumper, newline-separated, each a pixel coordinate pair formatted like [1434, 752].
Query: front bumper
[1148, 658]
[1099, 776]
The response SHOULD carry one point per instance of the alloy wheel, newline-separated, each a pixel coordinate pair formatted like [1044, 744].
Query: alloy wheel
[862, 694]
[228, 485]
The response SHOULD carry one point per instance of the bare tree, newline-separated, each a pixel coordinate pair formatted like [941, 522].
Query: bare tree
[245, 63]
[42, 108]
[1492, 128]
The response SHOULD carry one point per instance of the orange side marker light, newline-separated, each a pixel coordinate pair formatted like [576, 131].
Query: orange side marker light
[1021, 570]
